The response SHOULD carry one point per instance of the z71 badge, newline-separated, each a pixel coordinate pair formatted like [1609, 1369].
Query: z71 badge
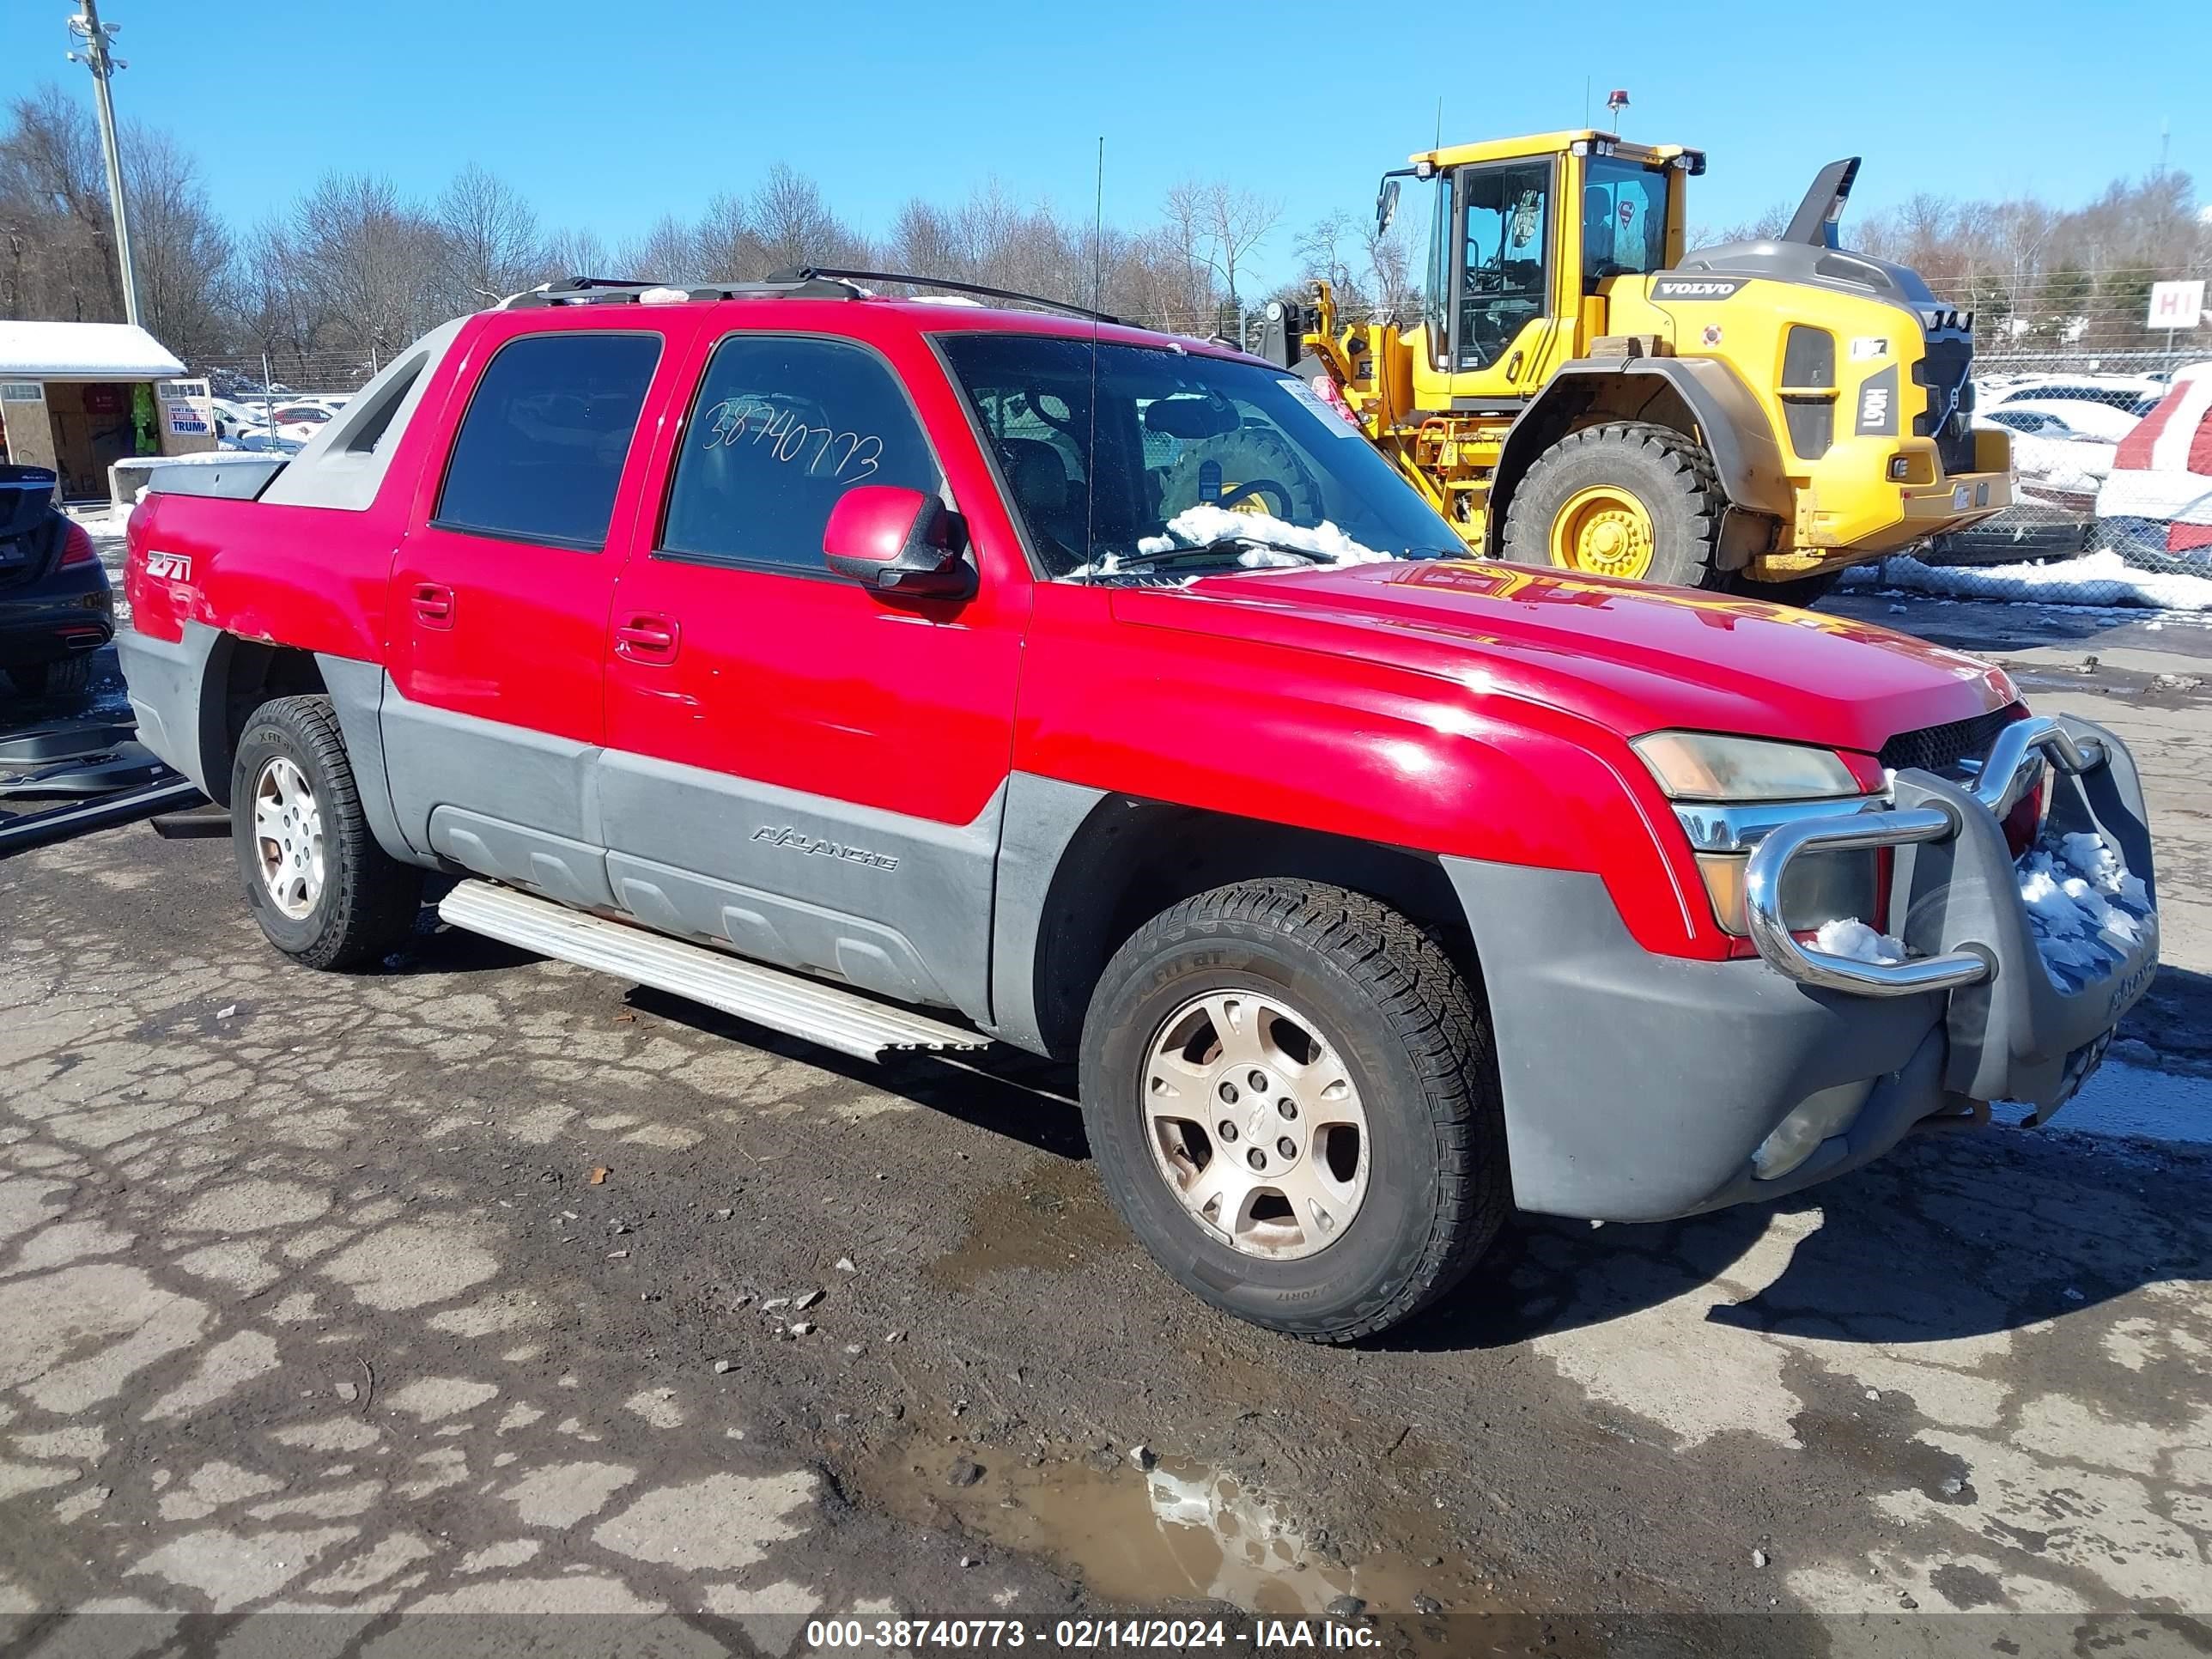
[169, 567]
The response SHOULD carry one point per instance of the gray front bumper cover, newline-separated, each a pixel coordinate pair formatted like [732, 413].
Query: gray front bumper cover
[1637, 1087]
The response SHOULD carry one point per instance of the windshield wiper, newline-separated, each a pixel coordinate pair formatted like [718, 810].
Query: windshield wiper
[1205, 552]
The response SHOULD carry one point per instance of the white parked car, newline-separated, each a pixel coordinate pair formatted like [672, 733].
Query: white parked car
[2156, 503]
[2087, 420]
[2053, 460]
[2100, 405]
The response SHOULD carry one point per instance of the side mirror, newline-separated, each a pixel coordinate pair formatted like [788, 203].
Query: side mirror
[1386, 206]
[899, 542]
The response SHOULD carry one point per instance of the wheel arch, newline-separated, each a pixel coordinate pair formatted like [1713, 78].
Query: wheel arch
[1127, 859]
[1700, 397]
[241, 675]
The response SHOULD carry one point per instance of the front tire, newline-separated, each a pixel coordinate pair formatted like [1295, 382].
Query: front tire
[1385, 1180]
[1628, 499]
[325, 893]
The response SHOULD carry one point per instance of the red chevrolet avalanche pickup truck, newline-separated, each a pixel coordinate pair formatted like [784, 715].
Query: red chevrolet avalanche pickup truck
[912, 675]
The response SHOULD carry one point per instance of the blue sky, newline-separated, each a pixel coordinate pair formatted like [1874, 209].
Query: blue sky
[604, 121]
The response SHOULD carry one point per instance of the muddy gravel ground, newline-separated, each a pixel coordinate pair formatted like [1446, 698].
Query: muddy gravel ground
[332, 1310]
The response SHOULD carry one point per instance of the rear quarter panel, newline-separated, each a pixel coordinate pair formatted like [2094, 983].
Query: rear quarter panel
[310, 577]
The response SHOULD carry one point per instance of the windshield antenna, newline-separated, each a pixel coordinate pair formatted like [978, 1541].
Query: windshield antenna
[1098, 282]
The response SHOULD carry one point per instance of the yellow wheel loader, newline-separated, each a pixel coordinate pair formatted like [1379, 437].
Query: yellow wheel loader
[1581, 393]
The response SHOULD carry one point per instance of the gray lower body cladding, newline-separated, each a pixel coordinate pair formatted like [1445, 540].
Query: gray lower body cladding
[897, 905]
[167, 682]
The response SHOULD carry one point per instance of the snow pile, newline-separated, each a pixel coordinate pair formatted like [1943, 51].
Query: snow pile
[2100, 578]
[1851, 938]
[1196, 526]
[2084, 910]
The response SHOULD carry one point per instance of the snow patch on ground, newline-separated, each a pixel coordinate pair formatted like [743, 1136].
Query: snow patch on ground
[1853, 938]
[1195, 526]
[2084, 910]
[2102, 578]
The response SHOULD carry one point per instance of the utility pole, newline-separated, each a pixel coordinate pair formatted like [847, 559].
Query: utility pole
[96, 35]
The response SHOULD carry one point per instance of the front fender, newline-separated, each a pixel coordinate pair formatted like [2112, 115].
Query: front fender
[1370, 751]
[1730, 423]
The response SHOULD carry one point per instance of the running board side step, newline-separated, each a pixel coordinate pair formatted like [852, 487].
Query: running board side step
[790, 1003]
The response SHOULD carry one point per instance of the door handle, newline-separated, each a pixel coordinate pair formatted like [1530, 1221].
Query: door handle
[648, 639]
[434, 605]
[1513, 367]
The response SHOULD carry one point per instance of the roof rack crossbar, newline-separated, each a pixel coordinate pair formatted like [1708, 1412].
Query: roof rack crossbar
[805, 273]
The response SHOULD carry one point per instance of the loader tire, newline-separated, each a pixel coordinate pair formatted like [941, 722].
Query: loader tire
[1803, 591]
[325, 893]
[1250, 470]
[1627, 499]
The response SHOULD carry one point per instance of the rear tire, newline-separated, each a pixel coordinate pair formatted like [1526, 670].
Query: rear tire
[64, 677]
[1381, 1006]
[323, 891]
[1668, 477]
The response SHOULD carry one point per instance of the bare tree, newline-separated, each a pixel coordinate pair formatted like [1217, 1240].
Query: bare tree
[577, 253]
[491, 245]
[1222, 223]
[795, 225]
[54, 213]
[375, 263]
[727, 245]
[669, 252]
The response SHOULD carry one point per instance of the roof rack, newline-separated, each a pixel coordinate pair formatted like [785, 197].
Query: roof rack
[612, 290]
[807, 273]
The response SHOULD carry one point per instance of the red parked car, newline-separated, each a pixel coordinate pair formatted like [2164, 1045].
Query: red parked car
[913, 676]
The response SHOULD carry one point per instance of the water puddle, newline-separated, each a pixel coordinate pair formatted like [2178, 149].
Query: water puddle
[1053, 1219]
[1179, 1532]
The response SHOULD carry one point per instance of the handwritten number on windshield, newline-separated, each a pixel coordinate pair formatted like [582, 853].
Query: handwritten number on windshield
[847, 457]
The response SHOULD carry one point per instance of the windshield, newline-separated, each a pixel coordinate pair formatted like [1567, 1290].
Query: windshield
[1191, 462]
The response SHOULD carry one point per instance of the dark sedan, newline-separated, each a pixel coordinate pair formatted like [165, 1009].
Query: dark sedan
[55, 608]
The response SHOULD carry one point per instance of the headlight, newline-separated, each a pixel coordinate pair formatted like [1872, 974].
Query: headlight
[1701, 766]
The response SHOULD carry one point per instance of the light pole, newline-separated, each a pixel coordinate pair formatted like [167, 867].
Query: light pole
[87, 26]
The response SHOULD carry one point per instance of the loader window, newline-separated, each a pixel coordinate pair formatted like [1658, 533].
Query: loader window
[1506, 213]
[1624, 221]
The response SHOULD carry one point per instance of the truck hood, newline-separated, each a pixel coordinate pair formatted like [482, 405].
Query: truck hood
[1631, 657]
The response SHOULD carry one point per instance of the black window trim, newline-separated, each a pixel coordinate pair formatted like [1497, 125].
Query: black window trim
[818, 571]
[566, 543]
[1452, 363]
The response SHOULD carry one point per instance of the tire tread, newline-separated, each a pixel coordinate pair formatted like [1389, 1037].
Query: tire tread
[1690, 473]
[1421, 995]
[376, 897]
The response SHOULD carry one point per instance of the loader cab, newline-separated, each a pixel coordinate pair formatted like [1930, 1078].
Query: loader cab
[1524, 235]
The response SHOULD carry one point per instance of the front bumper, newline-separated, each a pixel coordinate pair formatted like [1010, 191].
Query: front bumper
[1636, 1087]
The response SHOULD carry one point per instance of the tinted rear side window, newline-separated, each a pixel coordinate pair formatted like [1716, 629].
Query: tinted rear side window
[543, 445]
[783, 427]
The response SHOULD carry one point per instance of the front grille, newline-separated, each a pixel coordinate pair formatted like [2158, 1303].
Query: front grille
[1939, 748]
[1945, 370]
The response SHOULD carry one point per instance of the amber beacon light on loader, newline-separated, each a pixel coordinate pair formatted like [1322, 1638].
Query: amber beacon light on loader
[1581, 393]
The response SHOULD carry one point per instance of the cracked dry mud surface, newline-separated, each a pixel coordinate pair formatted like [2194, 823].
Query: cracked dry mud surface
[309, 1300]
